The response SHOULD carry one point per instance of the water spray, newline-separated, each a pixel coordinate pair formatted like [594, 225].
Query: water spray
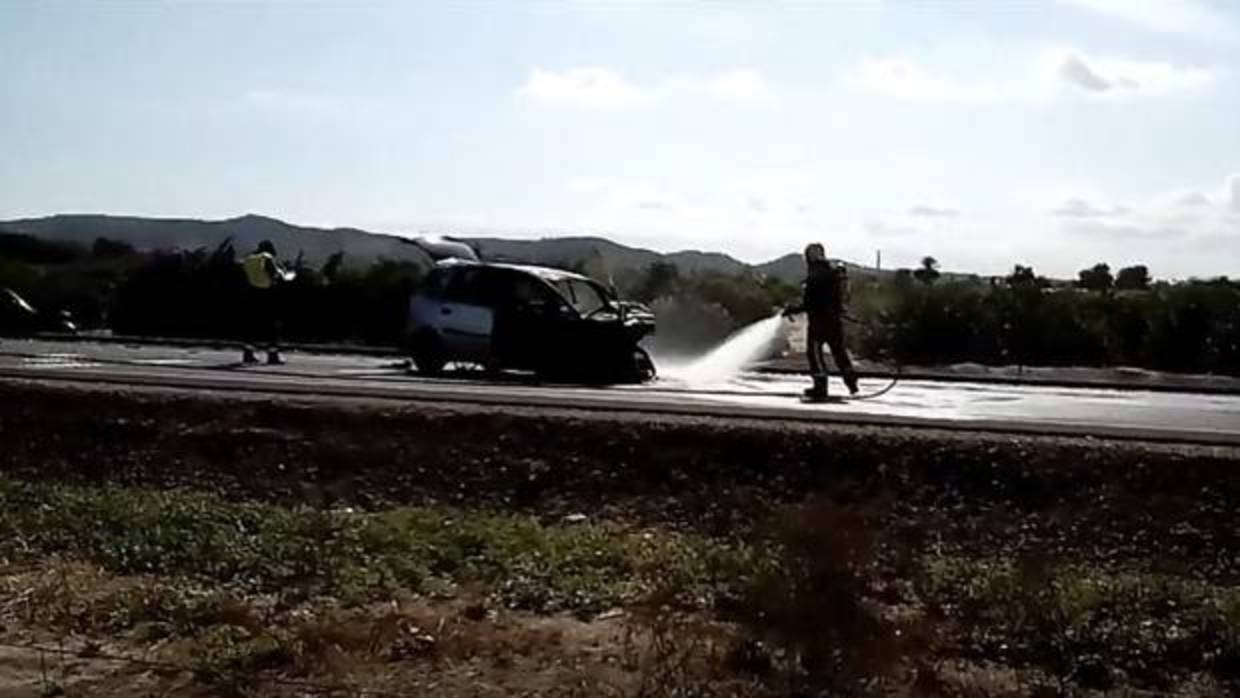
[747, 346]
[741, 349]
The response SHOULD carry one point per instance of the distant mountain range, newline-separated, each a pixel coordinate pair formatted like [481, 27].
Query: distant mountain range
[362, 247]
[151, 234]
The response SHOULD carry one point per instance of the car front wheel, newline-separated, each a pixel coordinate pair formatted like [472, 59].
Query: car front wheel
[643, 366]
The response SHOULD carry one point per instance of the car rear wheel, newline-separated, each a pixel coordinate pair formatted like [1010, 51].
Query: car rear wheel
[428, 356]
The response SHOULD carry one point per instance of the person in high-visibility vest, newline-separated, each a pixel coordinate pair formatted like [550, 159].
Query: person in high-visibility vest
[264, 273]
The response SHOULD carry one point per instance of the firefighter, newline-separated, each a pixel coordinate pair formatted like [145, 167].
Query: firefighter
[264, 274]
[826, 290]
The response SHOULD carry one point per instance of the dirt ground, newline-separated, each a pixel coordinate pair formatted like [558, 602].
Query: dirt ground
[516, 655]
[961, 563]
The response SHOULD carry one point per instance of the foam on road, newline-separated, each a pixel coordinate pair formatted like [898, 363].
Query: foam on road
[1033, 409]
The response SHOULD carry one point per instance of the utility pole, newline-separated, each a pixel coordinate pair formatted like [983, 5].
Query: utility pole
[878, 260]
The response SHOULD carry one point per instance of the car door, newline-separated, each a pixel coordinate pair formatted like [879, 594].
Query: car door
[466, 317]
[531, 326]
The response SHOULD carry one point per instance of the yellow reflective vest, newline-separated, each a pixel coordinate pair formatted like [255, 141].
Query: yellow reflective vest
[258, 269]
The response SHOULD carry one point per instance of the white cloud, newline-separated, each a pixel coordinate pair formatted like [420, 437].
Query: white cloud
[590, 185]
[933, 212]
[1233, 193]
[920, 225]
[903, 78]
[588, 89]
[627, 199]
[1192, 198]
[1073, 69]
[1182, 214]
[1127, 230]
[602, 89]
[1043, 78]
[775, 193]
[879, 228]
[1184, 199]
[1077, 207]
[742, 85]
[1186, 17]
[1120, 77]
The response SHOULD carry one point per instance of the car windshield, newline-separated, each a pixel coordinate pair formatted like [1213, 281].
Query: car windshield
[582, 295]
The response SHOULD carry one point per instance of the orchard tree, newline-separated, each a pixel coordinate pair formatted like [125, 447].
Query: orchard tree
[1024, 277]
[662, 279]
[1134, 278]
[331, 268]
[1096, 278]
[929, 271]
[105, 248]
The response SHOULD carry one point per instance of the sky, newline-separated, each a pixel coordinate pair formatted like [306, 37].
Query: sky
[1051, 133]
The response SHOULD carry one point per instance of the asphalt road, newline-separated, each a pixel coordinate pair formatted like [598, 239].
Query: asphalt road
[1168, 416]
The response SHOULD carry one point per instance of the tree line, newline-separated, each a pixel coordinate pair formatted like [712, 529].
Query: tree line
[1026, 319]
[203, 292]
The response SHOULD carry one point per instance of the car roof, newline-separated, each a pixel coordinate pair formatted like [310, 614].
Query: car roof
[545, 273]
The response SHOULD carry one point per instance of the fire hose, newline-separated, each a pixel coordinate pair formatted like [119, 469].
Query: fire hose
[895, 375]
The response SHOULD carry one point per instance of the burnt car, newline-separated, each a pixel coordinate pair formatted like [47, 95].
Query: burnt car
[558, 324]
[17, 317]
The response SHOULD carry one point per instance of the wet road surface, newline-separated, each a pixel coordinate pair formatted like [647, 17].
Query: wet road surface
[987, 406]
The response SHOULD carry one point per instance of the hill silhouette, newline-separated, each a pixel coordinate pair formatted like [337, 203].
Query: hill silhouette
[362, 248]
[149, 234]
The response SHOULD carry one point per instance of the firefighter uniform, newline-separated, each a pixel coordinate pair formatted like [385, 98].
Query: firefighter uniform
[825, 291]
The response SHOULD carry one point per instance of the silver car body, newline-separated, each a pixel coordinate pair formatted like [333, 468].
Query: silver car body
[464, 327]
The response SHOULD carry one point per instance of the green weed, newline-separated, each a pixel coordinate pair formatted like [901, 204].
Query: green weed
[526, 564]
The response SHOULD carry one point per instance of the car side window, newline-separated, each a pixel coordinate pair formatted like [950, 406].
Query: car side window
[534, 295]
[480, 286]
[527, 292]
[463, 286]
[491, 287]
[434, 284]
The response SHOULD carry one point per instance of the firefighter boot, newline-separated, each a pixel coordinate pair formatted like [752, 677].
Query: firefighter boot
[247, 355]
[274, 358]
[850, 380]
[819, 389]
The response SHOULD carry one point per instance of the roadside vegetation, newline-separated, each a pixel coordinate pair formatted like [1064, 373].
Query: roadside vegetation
[585, 567]
[1024, 319]
[813, 599]
[920, 316]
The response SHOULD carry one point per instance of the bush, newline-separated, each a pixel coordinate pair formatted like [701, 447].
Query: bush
[810, 597]
[1190, 327]
[206, 295]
